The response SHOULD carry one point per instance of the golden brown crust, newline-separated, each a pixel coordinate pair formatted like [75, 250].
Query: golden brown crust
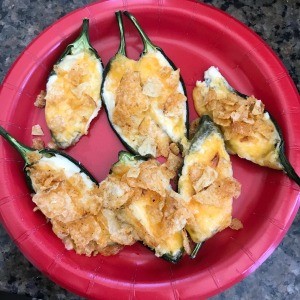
[236, 224]
[173, 164]
[94, 219]
[219, 193]
[40, 101]
[52, 145]
[186, 242]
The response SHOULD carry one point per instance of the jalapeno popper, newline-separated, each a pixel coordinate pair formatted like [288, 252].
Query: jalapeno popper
[73, 91]
[145, 99]
[68, 195]
[207, 183]
[134, 203]
[144, 199]
[249, 130]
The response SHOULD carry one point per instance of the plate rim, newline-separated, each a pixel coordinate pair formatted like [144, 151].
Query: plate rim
[237, 23]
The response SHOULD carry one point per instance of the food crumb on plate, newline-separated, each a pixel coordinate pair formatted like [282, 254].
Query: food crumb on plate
[37, 130]
[236, 224]
[38, 143]
[40, 100]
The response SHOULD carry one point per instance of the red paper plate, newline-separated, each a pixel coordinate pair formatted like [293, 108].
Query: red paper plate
[194, 36]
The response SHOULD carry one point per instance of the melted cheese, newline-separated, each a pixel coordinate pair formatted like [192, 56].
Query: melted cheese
[139, 209]
[259, 150]
[159, 84]
[73, 97]
[207, 219]
[203, 152]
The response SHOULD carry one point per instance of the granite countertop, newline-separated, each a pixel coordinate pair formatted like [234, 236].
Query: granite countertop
[277, 22]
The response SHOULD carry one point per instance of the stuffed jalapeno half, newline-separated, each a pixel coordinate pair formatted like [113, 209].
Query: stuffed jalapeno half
[249, 130]
[73, 91]
[207, 184]
[68, 195]
[145, 99]
[144, 199]
[112, 86]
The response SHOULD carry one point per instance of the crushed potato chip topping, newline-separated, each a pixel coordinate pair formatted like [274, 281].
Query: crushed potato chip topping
[33, 157]
[67, 202]
[40, 101]
[72, 98]
[247, 128]
[236, 115]
[101, 219]
[141, 87]
[219, 193]
[52, 145]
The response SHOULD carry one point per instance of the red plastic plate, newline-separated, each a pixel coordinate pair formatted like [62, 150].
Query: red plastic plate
[194, 36]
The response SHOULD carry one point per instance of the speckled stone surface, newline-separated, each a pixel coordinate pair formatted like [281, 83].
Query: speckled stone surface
[277, 22]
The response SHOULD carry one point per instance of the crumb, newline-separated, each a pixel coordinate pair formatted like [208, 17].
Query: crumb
[152, 87]
[174, 149]
[186, 242]
[40, 100]
[38, 143]
[37, 130]
[173, 164]
[33, 157]
[236, 224]
[52, 145]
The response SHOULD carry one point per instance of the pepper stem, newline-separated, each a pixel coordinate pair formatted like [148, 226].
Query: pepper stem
[287, 167]
[22, 149]
[122, 48]
[148, 45]
[196, 250]
[83, 41]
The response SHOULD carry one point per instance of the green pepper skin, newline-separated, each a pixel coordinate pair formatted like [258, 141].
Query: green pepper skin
[82, 42]
[125, 157]
[205, 128]
[24, 150]
[287, 167]
[148, 46]
[169, 257]
[196, 250]
[174, 258]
